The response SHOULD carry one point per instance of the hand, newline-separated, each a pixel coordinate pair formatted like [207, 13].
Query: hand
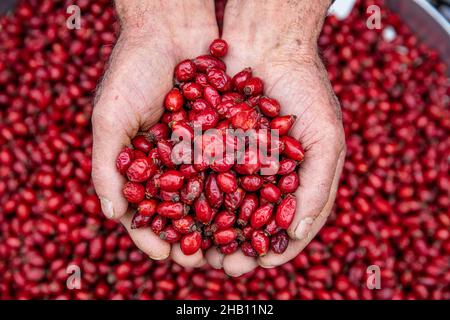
[287, 61]
[154, 38]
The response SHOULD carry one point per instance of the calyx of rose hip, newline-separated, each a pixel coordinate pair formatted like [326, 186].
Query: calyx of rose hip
[219, 168]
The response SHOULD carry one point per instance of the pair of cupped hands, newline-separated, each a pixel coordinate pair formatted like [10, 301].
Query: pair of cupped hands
[278, 45]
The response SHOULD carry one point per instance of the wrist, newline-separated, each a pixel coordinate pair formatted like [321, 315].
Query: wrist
[177, 24]
[294, 24]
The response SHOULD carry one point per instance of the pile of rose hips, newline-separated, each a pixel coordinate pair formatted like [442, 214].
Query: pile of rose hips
[392, 205]
[215, 198]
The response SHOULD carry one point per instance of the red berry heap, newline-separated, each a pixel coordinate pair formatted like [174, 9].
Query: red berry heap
[391, 211]
[222, 202]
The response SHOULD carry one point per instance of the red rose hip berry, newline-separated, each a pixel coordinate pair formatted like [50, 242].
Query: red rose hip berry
[171, 180]
[269, 107]
[191, 243]
[185, 71]
[227, 182]
[133, 192]
[173, 100]
[261, 216]
[260, 242]
[218, 48]
[289, 183]
[286, 211]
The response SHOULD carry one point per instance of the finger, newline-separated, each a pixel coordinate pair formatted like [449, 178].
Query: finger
[214, 258]
[188, 261]
[316, 174]
[295, 246]
[237, 264]
[146, 240]
[108, 140]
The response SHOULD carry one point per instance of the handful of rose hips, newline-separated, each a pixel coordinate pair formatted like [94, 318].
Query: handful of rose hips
[219, 168]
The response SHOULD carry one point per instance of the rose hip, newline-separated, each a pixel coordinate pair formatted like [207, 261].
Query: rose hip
[192, 91]
[251, 182]
[141, 143]
[205, 62]
[218, 48]
[292, 148]
[170, 235]
[172, 210]
[286, 211]
[206, 119]
[191, 190]
[184, 225]
[289, 183]
[248, 206]
[229, 248]
[203, 211]
[158, 131]
[224, 220]
[200, 105]
[140, 221]
[283, 124]
[234, 199]
[173, 100]
[287, 166]
[261, 216]
[141, 170]
[124, 160]
[271, 227]
[219, 79]
[270, 192]
[213, 192]
[222, 237]
[173, 196]
[147, 208]
[269, 107]
[152, 187]
[165, 153]
[245, 120]
[260, 242]
[158, 224]
[253, 86]
[279, 242]
[211, 95]
[191, 243]
[171, 180]
[241, 78]
[133, 192]
[185, 71]
[248, 250]
[227, 182]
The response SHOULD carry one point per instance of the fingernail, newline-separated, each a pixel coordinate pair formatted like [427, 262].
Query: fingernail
[303, 228]
[201, 263]
[158, 258]
[265, 265]
[107, 207]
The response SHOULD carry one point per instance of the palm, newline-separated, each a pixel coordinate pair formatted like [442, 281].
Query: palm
[137, 82]
[301, 86]
[131, 99]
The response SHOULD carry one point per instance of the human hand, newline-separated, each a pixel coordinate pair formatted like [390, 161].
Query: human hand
[155, 36]
[278, 40]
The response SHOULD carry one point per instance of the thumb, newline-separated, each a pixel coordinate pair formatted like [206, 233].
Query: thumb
[109, 137]
[317, 172]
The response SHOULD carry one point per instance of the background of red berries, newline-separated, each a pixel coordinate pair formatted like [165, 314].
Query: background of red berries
[392, 208]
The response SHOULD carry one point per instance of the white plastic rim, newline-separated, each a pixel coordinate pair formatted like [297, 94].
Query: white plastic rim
[439, 18]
